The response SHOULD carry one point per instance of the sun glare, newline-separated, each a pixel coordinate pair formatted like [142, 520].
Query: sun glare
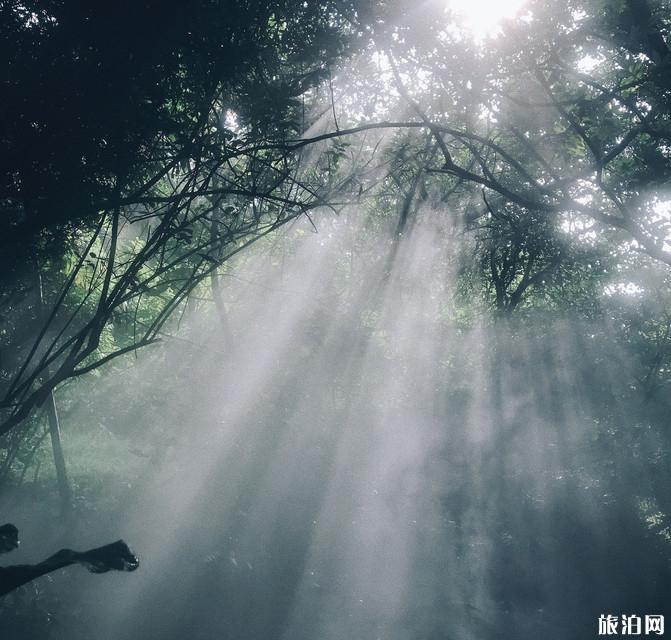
[483, 17]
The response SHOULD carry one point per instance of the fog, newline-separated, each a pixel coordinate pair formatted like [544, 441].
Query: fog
[331, 453]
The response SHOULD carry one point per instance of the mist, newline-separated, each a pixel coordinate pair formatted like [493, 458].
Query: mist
[325, 454]
[337, 319]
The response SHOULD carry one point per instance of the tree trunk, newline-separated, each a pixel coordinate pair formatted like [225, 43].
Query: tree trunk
[64, 492]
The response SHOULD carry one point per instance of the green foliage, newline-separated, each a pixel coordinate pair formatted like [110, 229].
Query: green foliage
[144, 146]
[543, 153]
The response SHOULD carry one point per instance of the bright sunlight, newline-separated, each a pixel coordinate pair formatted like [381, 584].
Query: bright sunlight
[483, 17]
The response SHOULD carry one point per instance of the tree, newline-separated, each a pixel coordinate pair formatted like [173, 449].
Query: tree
[144, 146]
[566, 113]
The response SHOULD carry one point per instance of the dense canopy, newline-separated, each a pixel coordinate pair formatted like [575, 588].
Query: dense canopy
[354, 314]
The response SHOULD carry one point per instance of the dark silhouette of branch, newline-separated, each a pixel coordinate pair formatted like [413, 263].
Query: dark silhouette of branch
[116, 556]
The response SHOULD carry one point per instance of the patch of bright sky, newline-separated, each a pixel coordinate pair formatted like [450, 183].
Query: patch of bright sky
[623, 289]
[585, 191]
[230, 119]
[662, 209]
[589, 63]
[662, 220]
[579, 226]
[32, 19]
[483, 18]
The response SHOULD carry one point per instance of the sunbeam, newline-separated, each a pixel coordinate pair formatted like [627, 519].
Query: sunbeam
[482, 18]
[349, 320]
[341, 463]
